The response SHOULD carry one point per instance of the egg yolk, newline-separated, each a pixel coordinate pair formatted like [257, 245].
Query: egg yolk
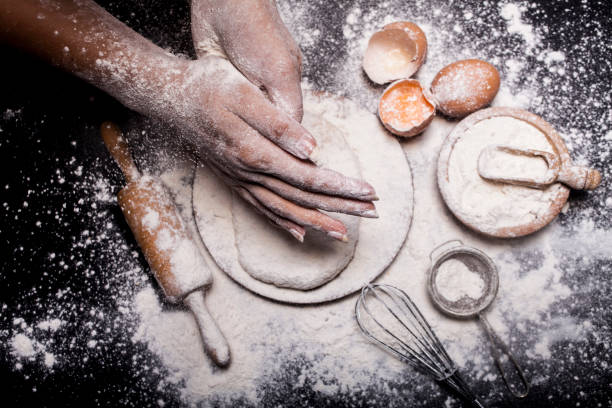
[404, 106]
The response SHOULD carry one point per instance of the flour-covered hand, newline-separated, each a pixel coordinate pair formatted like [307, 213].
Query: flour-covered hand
[256, 148]
[253, 37]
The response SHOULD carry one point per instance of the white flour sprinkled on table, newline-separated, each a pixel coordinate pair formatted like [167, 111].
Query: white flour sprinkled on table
[319, 346]
[262, 333]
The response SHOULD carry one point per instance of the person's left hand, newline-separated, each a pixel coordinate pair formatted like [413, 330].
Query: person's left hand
[255, 40]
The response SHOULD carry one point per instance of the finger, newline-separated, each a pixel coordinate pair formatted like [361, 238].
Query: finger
[286, 94]
[283, 212]
[295, 230]
[300, 215]
[258, 154]
[273, 123]
[285, 91]
[313, 200]
[307, 176]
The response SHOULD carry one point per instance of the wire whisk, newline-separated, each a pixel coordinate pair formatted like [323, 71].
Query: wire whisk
[389, 318]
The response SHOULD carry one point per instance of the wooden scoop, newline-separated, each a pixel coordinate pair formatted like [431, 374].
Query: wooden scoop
[576, 177]
[175, 260]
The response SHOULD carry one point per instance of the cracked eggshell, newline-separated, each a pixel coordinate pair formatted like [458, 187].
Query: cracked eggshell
[395, 52]
[406, 108]
[464, 87]
[417, 35]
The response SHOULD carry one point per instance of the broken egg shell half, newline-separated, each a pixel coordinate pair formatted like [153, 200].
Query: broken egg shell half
[417, 35]
[464, 87]
[405, 108]
[395, 52]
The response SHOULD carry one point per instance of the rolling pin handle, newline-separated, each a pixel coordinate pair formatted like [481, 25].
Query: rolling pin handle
[118, 148]
[215, 343]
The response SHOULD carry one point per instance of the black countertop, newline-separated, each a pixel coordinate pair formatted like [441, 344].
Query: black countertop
[54, 159]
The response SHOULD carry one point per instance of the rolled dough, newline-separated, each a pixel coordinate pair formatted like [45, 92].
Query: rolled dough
[383, 164]
[273, 256]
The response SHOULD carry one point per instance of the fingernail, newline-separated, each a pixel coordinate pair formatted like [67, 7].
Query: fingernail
[314, 156]
[370, 214]
[369, 195]
[305, 147]
[297, 234]
[338, 235]
[367, 192]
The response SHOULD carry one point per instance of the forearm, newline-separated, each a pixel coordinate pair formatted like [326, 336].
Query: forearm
[82, 38]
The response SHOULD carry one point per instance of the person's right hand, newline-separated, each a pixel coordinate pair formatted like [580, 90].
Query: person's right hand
[257, 43]
[261, 151]
[254, 146]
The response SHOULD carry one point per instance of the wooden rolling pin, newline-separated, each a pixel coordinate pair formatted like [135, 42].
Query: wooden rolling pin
[168, 247]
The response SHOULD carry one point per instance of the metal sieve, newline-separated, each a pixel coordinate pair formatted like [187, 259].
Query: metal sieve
[477, 262]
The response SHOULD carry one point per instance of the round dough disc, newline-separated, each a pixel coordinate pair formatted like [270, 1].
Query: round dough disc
[273, 256]
[383, 164]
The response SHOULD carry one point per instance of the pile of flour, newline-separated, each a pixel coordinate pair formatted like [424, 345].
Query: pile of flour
[455, 280]
[25, 347]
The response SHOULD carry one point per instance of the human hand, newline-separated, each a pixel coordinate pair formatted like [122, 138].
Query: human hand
[255, 146]
[258, 150]
[259, 45]
[253, 37]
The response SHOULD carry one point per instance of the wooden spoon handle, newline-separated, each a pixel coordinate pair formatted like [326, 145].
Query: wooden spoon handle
[118, 148]
[579, 178]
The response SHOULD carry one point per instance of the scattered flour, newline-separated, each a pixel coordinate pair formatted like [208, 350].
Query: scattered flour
[542, 277]
[49, 360]
[561, 328]
[52, 324]
[512, 14]
[263, 333]
[23, 346]
[188, 265]
[151, 219]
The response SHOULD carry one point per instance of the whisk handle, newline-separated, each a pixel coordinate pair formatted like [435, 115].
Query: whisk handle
[456, 382]
[498, 344]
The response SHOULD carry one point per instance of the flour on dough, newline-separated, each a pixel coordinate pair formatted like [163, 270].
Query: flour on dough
[273, 256]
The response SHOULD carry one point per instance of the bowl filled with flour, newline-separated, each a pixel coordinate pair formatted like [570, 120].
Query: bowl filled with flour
[492, 208]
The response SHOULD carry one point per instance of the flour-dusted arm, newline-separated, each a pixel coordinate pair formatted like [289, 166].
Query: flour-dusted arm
[229, 121]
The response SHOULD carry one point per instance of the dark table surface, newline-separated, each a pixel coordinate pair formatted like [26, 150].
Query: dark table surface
[52, 158]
